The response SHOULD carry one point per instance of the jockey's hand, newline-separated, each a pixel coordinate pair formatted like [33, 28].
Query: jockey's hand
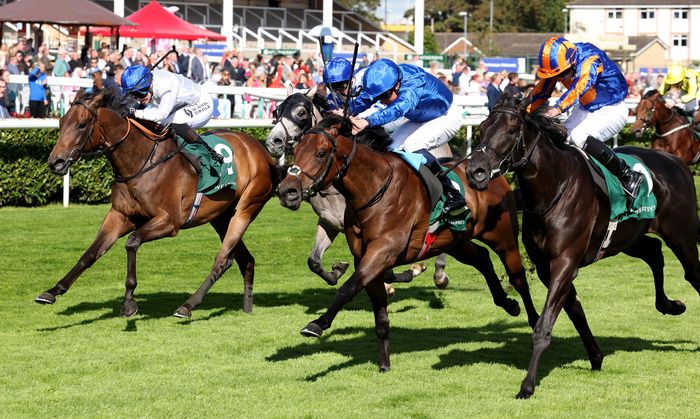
[670, 103]
[552, 112]
[358, 124]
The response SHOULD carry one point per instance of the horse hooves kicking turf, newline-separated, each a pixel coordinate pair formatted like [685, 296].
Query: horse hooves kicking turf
[45, 298]
[129, 308]
[183, 312]
[312, 330]
[442, 282]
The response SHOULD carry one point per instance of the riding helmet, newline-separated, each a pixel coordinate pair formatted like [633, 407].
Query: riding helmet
[380, 77]
[338, 70]
[136, 79]
[675, 74]
[556, 55]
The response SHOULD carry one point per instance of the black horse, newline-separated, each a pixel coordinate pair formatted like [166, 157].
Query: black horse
[566, 216]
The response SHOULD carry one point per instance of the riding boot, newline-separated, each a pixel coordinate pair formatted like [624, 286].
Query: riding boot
[454, 203]
[190, 135]
[631, 180]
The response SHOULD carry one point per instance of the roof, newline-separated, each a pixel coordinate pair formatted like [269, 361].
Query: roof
[61, 12]
[507, 44]
[154, 21]
[631, 3]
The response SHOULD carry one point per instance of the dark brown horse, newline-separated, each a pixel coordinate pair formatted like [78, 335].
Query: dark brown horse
[674, 133]
[567, 216]
[386, 222]
[155, 191]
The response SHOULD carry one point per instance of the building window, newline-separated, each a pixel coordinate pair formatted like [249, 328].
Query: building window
[680, 14]
[680, 40]
[614, 13]
[647, 14]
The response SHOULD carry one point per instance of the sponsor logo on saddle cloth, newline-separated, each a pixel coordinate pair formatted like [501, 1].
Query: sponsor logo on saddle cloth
[213, 176]
[644, 205]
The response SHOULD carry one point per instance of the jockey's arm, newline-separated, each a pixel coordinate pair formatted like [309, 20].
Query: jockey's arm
[541, 93]
[405, 102]
[580, 84]
[692, 89]
[163, 110]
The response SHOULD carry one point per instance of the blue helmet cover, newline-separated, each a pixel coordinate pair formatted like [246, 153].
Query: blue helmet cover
[338, 70]
[380, 76]
[136, 78]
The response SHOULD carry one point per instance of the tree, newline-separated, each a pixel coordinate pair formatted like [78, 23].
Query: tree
[430, 44]
[364, 8]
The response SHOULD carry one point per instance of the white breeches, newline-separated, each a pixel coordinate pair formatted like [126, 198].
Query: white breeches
[196, 115]
[412, 136]
[602, 124]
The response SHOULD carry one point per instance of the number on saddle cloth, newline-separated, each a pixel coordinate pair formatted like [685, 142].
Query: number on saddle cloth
[212, 176]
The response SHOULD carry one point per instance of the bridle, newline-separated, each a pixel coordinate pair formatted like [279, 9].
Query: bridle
[506, 162]
[646, 122]
[290, 140]
[75, 154]
[317, 182]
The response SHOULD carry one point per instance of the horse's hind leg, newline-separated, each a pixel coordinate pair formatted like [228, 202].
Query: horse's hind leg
[649, 250]
[686, 250]
[472, 254]
[325, 234]
[114, 226]
[440, 277]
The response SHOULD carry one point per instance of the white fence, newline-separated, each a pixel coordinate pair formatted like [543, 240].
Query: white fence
[262, 100]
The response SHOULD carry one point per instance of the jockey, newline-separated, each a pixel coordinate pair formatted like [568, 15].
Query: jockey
[173, 99]
[686, 81]
[337, 75]
[409, 91]
[596, 94]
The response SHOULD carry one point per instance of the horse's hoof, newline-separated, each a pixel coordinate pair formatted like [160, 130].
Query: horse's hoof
[390, 291]
[183, 312]
[45, 298]
[340, 267]
[441, 283]
[312, 330]
[129, 308]
[674, 308]
[523, 395]
[384, 368]
[512, 307]
[417, 269]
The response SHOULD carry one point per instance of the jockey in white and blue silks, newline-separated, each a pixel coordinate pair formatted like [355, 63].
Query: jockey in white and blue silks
[170, 99]
[409, 91]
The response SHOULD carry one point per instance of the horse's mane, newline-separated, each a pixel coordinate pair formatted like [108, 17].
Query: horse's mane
[650, 93]
[111, 98]
[550, 127]
[375, 138]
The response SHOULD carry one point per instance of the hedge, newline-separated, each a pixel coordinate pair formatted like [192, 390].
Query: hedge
[25, 179]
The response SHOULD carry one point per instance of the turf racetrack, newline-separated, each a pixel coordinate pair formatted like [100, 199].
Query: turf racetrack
[453, 352]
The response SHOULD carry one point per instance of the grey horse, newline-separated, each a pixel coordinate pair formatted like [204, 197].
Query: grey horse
[293, 117]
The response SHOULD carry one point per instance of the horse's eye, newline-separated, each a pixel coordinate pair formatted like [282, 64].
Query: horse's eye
[82, 125]
[321, 154]
[301, 113]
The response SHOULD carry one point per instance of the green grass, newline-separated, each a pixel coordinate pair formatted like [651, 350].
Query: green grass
[453, 352]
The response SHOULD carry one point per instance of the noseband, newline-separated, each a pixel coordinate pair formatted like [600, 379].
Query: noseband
[506, 163]
[318, 184]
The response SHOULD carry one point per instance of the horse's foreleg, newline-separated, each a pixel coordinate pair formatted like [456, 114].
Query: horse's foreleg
[440, 277]
[472, 254]
[325, 234]
[574, 310]
[114, 226]
[381, 321]
[559, 289]
[685, 248]
[237, 226]
[649, 250]
[157, 227]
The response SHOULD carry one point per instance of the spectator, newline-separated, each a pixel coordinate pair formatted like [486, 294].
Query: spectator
[634, 93]
[44, 57]
[475, 88]
[93, 67]
[183, 61]
[443, 78]
[4, 112]
[225, 80]
[303, 82]
[74, 61]
[198, 67]
[38, 98]
[61, 67]
[152, 60]
[26, 65]
[364, 61]
[170, 63]
[464, 80]
[127, 56]
[493, 90]
[512, 89]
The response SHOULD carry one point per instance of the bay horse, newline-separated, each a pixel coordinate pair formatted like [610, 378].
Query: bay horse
[566, 216]
[674, 133]
[154, 191]
[294, 117]
[386, 222]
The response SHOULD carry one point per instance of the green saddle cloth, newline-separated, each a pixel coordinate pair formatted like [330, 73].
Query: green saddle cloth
[644, 205]
[438, 219]
[213, 176]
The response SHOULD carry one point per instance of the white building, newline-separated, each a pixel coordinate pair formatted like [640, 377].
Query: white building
[610, 23]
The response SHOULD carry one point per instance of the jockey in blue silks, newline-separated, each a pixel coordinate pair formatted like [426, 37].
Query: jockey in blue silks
[596, 94]
[409, 91]
[169, 98]
[337, 75]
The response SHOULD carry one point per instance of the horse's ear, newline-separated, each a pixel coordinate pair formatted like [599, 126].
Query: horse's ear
[312, 92]
[290, 89]
[525, 102]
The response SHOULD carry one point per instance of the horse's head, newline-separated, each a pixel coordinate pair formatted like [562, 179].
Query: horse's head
[509, 137]
[696, 121]
[80, 130]
[647, 112]
[293, 117]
